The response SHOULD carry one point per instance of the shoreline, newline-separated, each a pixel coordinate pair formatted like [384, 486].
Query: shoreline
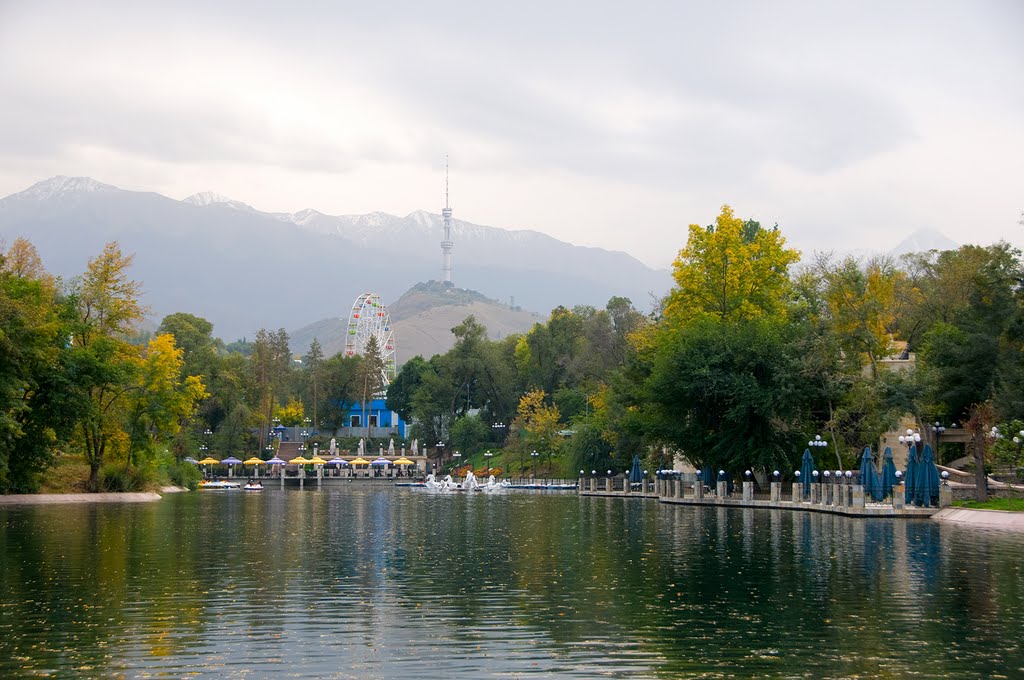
[79, 498]
[988, 519]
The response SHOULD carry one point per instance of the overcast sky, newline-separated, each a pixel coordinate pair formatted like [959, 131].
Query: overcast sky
[610, 124]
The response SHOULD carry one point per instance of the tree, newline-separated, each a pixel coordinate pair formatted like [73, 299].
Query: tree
[861, 307]
[38, 407]
[164, 399]
[341, 387]
[733, 270]
[402, 389]
[106, 311]
[729, 395]
[270, 364]
[537, 425]
[314, 366]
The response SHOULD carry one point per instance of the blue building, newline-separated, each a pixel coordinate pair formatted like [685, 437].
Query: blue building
[375, 421]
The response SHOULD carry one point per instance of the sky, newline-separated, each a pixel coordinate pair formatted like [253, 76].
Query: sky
[610, 124]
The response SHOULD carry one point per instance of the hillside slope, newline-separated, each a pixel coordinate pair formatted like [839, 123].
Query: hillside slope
[422, 319]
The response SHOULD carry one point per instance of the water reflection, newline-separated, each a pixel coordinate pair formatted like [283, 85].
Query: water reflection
[389, 583]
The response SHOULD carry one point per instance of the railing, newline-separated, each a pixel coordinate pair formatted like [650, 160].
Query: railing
[845, 497]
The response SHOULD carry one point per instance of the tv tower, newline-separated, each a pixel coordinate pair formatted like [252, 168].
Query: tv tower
[446, 244]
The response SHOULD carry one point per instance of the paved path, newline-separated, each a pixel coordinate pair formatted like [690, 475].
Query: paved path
[989, 519]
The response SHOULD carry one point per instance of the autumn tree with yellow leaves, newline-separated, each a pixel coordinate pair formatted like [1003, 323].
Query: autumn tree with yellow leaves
[732, 270]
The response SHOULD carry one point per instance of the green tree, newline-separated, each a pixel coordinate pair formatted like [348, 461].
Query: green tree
[729, 395]
[314, 368]
[106, 365]
[270, 364]
[402, 389]
[962, 356]
[38, 407]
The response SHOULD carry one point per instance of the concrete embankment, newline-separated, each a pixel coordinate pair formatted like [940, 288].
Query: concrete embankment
[988, 519]
[55, 498]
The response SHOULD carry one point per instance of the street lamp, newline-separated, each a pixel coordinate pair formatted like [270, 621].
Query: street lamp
[534, 456]
[817, 441]
[910, 438]
[488, 455]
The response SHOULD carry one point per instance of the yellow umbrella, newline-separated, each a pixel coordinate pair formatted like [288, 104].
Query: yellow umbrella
[403, 461]
[298, 461]
[317, 460]
[253, 461]
[359, 461]
[209, 461]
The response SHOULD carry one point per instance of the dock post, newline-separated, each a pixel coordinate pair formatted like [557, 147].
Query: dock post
[776, 492]
[722, 489]
[798, 492]
[898, 498]
[698, 490]
[858, 496]
[748, 491]
[945, 496]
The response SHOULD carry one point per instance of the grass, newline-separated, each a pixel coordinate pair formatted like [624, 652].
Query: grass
[69, 474]
[1011, 504]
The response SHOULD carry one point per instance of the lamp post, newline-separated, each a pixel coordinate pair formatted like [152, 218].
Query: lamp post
[817, 441]
[534, 456]
[487, 455]
[455, 457]
[440, 454]
[910, 438]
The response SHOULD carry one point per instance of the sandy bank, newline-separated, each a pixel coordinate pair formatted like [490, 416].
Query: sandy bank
[989, 519]
[54, 498]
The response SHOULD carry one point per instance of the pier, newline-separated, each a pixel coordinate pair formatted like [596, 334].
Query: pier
[833, 498]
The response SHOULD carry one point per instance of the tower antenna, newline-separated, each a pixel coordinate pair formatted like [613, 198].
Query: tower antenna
[446, 244]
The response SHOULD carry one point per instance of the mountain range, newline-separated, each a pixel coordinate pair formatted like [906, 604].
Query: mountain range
[244, 269]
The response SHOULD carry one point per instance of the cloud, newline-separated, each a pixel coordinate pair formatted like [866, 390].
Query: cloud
[568, 117]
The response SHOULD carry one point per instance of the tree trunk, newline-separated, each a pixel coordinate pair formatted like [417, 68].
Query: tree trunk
[980, 479]
[94, 477]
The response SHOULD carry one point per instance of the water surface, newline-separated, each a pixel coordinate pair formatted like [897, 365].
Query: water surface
[382, 582]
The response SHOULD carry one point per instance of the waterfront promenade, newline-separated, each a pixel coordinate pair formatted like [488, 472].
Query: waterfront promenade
[837, 499]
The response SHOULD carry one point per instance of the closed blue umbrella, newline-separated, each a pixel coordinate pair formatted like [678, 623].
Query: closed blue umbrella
[910, 476]
[231, 461]
[806, 470]
[888, 472]
[707, 476]
[929, 478]
[869, 476]
[635, 473]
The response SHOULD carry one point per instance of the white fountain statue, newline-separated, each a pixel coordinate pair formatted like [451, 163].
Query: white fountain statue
[470, 483]
[391, 447]
[493, 486]
[362, 449]
[334, 447]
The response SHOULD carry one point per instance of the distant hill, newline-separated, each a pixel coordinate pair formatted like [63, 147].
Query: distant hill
[244, 269]
[422, 319]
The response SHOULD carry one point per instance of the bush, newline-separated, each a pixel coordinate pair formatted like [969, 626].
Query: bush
[184, 474]
[116, 477]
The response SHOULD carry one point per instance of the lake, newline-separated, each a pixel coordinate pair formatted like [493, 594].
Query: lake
[368, 581]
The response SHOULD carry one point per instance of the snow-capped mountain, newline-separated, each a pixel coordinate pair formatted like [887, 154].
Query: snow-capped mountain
[210, 198]
[922, 241]
[244, 269]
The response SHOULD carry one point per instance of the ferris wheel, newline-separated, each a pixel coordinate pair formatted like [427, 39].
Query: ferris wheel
[370, 319]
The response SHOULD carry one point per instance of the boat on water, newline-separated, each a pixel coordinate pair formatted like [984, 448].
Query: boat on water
[218, 485]
[253, 486]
